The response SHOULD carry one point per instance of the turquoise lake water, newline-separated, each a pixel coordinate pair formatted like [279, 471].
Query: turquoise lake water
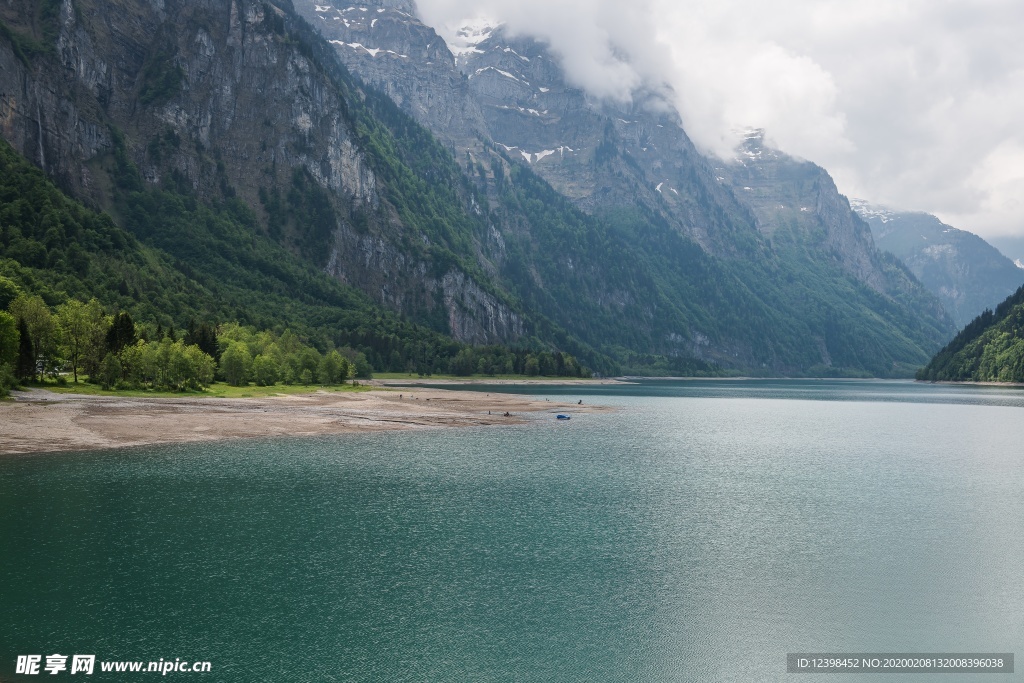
[699, 533]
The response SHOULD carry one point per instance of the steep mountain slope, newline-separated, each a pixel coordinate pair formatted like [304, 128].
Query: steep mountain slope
[437, 93]
[963, 270]
[52, 246]
[796, 203]
[989, 349]
[512, 94]
[634, 165]
[237, 103]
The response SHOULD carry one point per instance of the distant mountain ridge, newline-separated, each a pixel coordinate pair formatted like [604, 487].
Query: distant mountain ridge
[967, 273]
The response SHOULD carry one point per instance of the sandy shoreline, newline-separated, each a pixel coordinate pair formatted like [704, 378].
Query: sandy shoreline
[546, 381]
[41, 421]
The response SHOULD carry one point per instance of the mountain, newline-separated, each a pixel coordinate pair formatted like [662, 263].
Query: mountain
[967, 273]
[610, 159]
[225, 135]
[232, 140]
[510, 94]
[53, 246]
[988, 349]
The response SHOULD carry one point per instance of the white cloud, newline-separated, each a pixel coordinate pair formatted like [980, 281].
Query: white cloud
[910, 103]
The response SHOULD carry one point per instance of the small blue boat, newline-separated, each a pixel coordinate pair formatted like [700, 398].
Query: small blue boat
[562, 417]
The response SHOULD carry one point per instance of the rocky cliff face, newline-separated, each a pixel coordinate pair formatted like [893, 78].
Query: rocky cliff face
[512, 93]
[54, 118]
[600, 154]
[403, 283]
[384, 38]
[214, 96]
[796, 202]
[196, 79]
[963, 270]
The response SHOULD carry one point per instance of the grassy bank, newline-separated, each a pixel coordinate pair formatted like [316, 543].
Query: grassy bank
[215, 390]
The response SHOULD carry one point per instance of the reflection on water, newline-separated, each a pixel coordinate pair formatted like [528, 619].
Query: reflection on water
[700, 533]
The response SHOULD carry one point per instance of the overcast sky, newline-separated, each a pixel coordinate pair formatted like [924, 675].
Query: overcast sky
[914, 104]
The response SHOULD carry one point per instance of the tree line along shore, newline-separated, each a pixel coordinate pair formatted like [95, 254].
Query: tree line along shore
[80, 341]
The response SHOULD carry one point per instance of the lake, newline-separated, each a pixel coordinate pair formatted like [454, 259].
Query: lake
[699, 533]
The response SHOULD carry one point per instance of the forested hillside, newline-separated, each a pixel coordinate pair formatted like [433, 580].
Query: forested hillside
[58, 250]
[989, 349]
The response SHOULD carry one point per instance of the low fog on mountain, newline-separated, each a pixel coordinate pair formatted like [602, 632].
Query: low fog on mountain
[910, 104]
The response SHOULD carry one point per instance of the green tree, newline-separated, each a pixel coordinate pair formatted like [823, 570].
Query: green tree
[39, 323]
[201, 366]
[121, 332]
[110, 371]
[96, 342]
[233, 332]
[235, 364]
[81, 330]
[333, 368]
[204, 336]
[7, 380]
[9, 339]
[181, 366]
[265, 370]
[464, 363]
[8, 292]
[308, 361]
[133, 363]
[178, 373]
[26, 367]
[361, 367]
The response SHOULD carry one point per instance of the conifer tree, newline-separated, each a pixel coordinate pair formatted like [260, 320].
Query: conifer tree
[121, 333]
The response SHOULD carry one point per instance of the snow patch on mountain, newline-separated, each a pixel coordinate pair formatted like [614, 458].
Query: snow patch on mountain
[510, 50]
[867, 210]
[534, 157]
[374, 51]
[463, 39]
[506, 74]
[524, 110]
